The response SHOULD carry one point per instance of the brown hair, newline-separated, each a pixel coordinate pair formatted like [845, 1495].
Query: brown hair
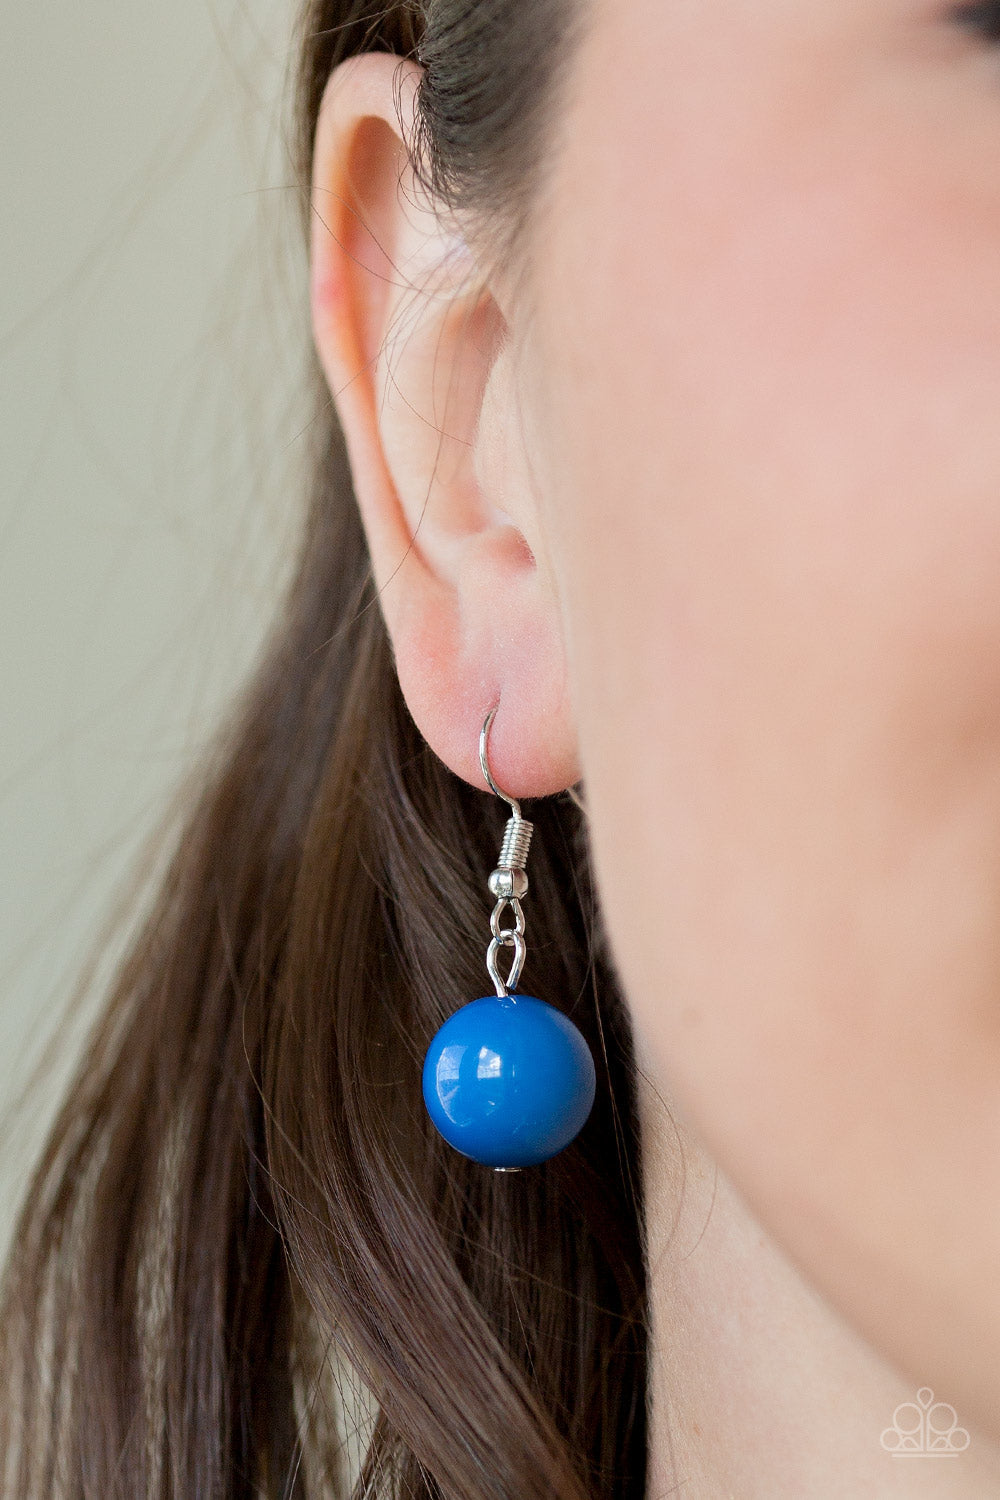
[242, 1202]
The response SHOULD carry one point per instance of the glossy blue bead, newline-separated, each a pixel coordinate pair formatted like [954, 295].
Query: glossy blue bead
[509, 1080]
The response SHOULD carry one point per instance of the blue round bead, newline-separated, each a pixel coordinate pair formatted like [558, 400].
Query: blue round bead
[509, 1080]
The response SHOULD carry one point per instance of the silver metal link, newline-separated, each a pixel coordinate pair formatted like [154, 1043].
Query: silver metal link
[508, 939]
[515, 907]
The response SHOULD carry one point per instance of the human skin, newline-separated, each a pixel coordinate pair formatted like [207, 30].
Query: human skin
[718, 526]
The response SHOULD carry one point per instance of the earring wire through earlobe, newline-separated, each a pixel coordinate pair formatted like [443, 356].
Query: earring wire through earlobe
[570, 791]
[484, 762]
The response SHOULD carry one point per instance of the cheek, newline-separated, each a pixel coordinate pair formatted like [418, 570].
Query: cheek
[775, 480]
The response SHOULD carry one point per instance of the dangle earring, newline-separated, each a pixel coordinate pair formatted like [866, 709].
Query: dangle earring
[508, 1080]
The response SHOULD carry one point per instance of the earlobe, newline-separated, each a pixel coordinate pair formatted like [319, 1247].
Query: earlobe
[416, 354]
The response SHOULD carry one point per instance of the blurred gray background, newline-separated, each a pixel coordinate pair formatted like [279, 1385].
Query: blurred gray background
[153, 327]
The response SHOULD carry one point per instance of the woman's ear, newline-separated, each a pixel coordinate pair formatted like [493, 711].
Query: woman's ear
[418, 357]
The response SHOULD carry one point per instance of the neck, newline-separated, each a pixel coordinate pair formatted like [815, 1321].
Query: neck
[758, 1389]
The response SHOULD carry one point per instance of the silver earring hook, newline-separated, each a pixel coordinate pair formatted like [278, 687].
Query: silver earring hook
[484, 762]
[508, 882]
[571, 791]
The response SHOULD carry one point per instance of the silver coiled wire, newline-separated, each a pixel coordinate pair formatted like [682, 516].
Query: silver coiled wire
[516, 841]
